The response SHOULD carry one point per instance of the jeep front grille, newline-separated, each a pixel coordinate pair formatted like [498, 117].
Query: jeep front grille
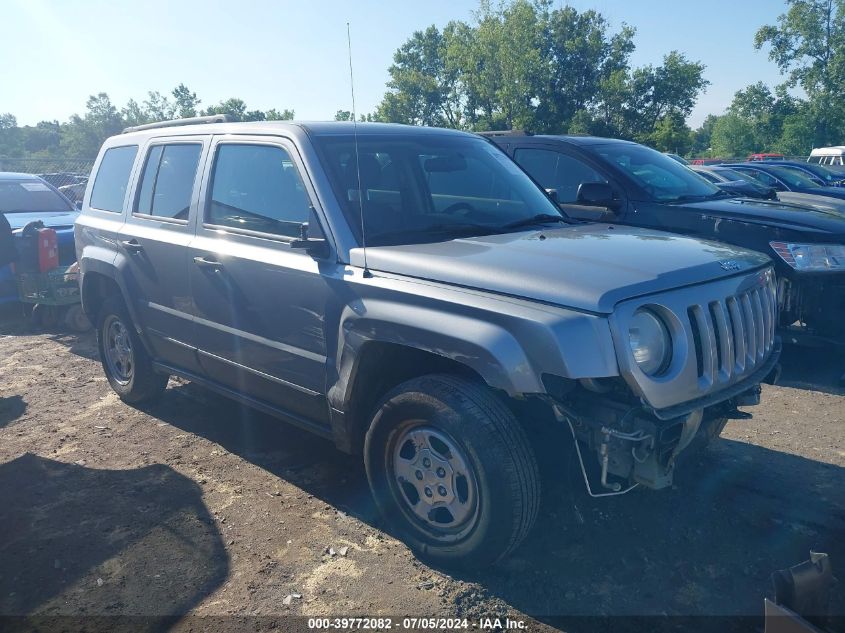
[733, 335]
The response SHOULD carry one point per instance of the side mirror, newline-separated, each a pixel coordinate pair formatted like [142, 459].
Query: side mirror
[553, 195]
[596, 194]
[311, 238]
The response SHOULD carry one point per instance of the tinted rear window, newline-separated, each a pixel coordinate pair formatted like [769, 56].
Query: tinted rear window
[30, 195]
[113, 178]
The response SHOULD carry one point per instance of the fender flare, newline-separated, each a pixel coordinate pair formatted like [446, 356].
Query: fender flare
[486, 348]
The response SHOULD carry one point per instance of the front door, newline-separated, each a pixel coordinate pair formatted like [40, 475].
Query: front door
[259, 304]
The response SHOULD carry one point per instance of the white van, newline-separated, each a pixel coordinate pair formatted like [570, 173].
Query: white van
[832, 156]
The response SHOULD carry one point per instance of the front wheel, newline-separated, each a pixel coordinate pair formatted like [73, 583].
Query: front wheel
[452, 471]
[127, 365]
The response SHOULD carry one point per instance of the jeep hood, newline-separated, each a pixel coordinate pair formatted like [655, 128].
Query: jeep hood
[835, 206]
[589, 267]
[795, 217]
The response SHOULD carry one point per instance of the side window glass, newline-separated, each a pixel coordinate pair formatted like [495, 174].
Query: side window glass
[771, 181]
[554, 170]
[112, 179]
[168, 180]
[257, 188]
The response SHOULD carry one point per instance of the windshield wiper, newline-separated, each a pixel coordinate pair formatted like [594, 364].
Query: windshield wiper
[700, 197]
[540, 218]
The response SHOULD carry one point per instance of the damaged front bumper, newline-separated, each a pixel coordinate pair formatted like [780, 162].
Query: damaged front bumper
[812, 309]
[636, 445]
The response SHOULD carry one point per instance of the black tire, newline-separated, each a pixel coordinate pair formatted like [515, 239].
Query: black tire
[75, 319]
[707, 435]
[492, 478]
[139, 382]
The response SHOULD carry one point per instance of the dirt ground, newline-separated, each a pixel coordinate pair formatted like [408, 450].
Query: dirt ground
[196, 506]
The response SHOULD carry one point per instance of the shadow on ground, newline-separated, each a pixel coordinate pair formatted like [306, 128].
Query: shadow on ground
[67, 533]
[813, 368]
[706, 547]
[11, 408]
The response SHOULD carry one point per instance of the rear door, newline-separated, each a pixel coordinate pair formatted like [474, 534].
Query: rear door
[260, 304]
[154, 241]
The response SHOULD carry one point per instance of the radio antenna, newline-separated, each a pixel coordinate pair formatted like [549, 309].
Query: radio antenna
[367, 272]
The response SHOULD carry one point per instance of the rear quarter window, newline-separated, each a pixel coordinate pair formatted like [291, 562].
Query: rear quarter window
[112, 179]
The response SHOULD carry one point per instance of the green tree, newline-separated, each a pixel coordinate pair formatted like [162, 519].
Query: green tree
[702, 136]
[669, 89]
[234, 107]
[42, 139]
[422, 85]
[10, 138]
[733, 137]
[158, 107]
[584, 63]
[186, 102]
[524, 64]
[808, 45]
[83, 135]
[671, 134]
[274, 115]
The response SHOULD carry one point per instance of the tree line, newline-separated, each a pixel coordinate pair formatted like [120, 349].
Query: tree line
[526, 65]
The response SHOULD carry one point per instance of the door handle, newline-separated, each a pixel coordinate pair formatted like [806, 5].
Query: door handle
[208, 263]
[132, 246]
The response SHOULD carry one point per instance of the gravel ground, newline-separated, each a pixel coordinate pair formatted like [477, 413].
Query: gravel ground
[196, 506]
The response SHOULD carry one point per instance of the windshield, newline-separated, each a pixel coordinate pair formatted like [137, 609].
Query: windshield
[793, 177]
[661, 177]
[827, 175]
[21, 196]
[426, 187]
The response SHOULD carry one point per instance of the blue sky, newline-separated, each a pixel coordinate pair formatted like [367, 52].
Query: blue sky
[293, 54]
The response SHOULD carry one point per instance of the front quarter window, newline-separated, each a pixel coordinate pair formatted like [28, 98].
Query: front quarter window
[660, 177]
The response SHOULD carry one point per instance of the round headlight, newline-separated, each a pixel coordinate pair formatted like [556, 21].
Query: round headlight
[650, 342]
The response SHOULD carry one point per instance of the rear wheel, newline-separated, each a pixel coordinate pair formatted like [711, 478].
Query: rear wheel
[452, 471]
[127, 365]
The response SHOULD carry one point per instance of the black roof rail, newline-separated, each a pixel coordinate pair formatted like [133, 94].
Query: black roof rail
[506, 133]
[194, 120]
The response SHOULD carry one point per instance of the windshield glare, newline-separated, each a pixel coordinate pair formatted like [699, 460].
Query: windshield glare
[732, 175]
[415, 188]
[30, 195]
[824, 173]
[662, 178]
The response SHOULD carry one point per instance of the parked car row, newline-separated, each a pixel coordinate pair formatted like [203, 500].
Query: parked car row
[436, 301]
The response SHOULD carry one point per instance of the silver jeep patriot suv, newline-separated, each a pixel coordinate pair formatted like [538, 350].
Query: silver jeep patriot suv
[413, 295]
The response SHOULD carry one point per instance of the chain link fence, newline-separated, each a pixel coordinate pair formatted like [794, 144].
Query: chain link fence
[68, 175]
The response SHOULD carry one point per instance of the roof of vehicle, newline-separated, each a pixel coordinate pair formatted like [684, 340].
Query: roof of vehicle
[717, 167]
[836, 150]
[313, 128]
[11, 175]
[573, 139]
